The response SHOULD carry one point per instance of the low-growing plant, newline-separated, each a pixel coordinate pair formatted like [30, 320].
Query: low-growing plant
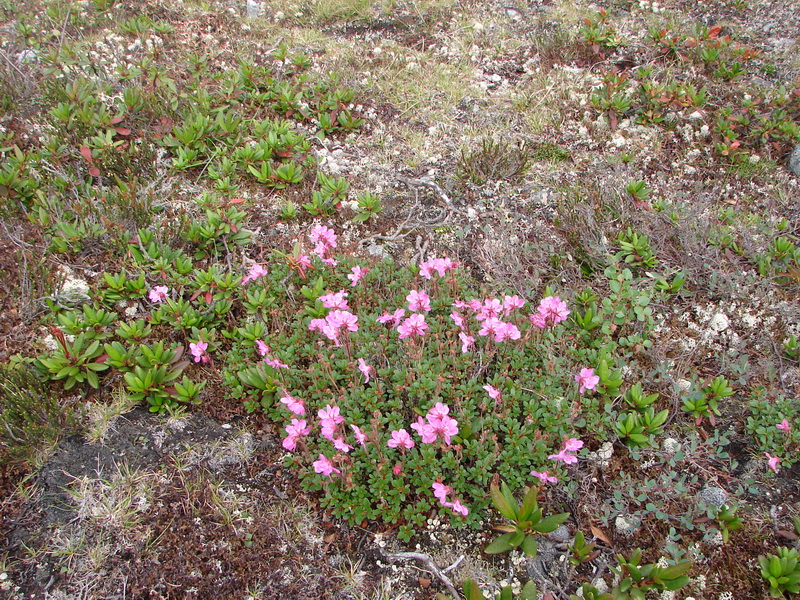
[781, 572]
[473, 592]
[704, 403]
[636, 580]
[526, 518]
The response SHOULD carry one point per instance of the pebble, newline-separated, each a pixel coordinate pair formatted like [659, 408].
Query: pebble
[794, 161]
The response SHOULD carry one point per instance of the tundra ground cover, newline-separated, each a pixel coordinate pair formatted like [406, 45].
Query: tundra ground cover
[574, 273]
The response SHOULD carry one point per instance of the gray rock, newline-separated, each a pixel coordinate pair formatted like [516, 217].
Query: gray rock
[713, 496]
[561, 534]
[378, 251]
[794, 161]
[254, 9]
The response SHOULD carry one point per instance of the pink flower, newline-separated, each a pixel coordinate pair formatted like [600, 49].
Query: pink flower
[490, 308]
[466, 341]
[341, 446]
[276, 363]
[356, 275]
[553, 310]
[394, 318]
[544, 477]
[507, 331]
[296, 430]
[158, 294]
[457, 319]
[458, 508]
[254, 273]
[303, 262]
[262, 348]
[343, 319]
[538, 320]
[198, 351]
[512, 303]
[418, 301]
[492, 326]
[360, 436]
[295, 405]
[773, 461]
[324, 466]
[493, 392]
[413, 325]
[569, 459]
[337, 300]
[440, 265]
[365, 369]
[323, 235]
[425, 431]
[400, 439]
[440, 491]
[330, 261]
[587, 380]
[330, 413]
[398, 469]
[566, 454]
[784, 426]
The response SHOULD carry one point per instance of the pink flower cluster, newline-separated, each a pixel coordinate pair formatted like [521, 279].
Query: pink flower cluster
[587, 380]
[488, 312]
[324, 466]
[295, 405]
[158, 294]
[329, 421]
[332, 325]
[418, 301]
[551, 310]
[254, 273]
[439, 425]
[413, 325]
[266, 352]
[198, 351]
[324, 239]
[366, 370]
[401, 439]
[441, 491]
[544, 477]
[440, 265]
[336, 300]
[296, 430]
[356, 274]
[772, 461]
[567, 453]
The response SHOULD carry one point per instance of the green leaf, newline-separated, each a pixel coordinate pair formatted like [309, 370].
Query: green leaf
[529, 504]
[472, 591]
[676, 570]
[500, 545]
[501, 503]
[529, 546]
[550, 523]
[529, 591]
[517, 538]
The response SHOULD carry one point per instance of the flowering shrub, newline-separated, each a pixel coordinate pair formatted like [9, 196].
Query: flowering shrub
[397, 390]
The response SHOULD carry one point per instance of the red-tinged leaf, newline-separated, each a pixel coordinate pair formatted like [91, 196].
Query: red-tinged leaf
[283, 154]
[234, 228]
[195, 295]
[87, 154]
[94, 172]
[714, 32]
[208, 297]
[116, 120]
[171, 391]
[789, 535]
[614, 122]
[237, 201]
[600, 535]
[122, 130]
[101, 359]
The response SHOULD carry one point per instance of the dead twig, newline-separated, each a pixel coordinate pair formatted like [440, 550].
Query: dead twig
[428, 563]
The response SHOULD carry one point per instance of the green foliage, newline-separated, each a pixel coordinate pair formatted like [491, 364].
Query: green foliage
[636, 580]
[493, 161]
[30, 415]
[781, 572]
[76, 362]
[765, 413]
[704, 403]
[527, 520]
[369, 205]
[581, 552]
